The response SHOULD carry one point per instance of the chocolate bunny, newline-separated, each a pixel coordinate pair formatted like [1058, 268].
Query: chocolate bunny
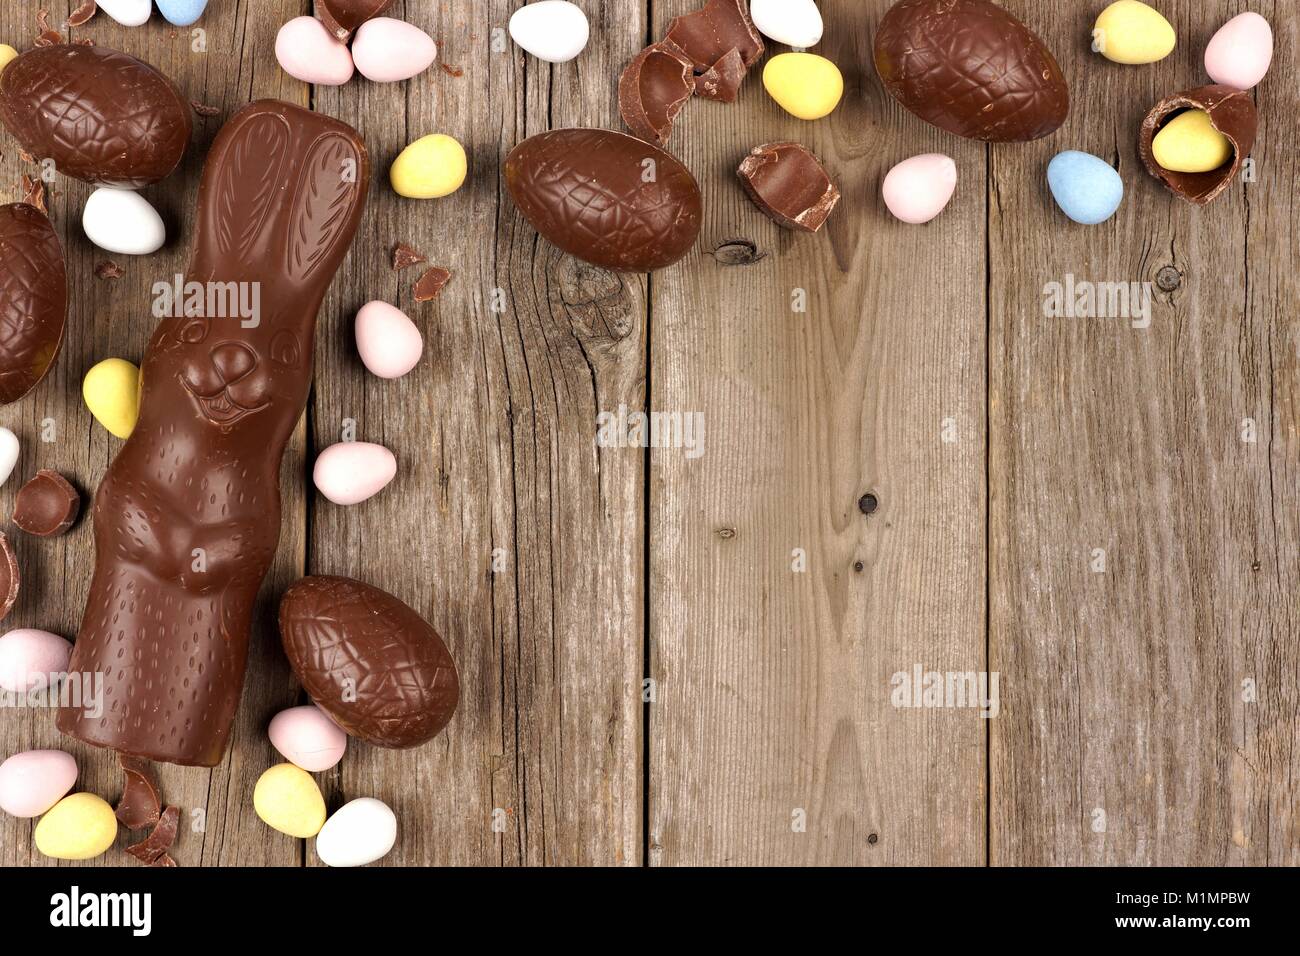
[187, 518]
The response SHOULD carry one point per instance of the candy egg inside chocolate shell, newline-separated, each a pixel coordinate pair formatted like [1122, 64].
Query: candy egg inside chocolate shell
[1232, 112]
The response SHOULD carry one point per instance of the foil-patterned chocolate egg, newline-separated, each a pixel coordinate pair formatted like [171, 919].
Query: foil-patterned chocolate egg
[610, 199]
[33, 299]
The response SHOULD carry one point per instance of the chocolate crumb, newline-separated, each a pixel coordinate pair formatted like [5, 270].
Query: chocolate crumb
[33, 191]
[82, 14]
[48, 36]
[431, 284]
[84, 41]
[25, 156]
[204, 110]
[452, 70]
[108, 269]
[404, 256]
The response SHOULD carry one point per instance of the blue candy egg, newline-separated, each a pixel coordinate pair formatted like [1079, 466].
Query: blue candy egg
[181, 13]
[1087, 189]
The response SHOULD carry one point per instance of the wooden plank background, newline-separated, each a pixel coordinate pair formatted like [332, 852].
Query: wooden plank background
[748, 589]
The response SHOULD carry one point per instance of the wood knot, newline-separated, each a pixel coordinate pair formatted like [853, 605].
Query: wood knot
[737, 252]
[1168, 279]
[873, 839]
[857, 566]
[726, 534]
[868, 504]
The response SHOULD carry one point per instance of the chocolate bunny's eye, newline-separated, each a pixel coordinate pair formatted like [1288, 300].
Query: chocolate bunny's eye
[193, 332]
[285, 350]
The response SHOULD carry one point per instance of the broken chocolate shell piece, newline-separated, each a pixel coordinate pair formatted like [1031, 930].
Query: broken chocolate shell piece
[723, 79]
[1232, 112]
[140, 804]
[343, 17]
[430, 285]
[10, 579]
[160, 838]
[653, 89]
[708, 34]
[47, 505]
[404, 255]
[790, 185]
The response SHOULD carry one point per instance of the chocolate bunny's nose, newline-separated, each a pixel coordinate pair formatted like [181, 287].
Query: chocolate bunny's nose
[233, 361]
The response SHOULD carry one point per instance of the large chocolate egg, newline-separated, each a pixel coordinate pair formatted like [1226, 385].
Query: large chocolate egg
[610, 199]
[102, 116]
[970, 67]
[33, 299]
[368, 660]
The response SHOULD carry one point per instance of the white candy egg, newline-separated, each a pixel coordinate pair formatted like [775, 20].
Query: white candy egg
[552, 30]
[8, 454]
[796, 23]
[122, 221]
[360, 832]
[129, 13]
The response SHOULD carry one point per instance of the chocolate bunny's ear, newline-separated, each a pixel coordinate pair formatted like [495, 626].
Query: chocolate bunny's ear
[249, 182]
[332, 182]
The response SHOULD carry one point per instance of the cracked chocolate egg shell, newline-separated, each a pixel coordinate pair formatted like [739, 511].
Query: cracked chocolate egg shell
[33, 299]
[103, 117]
[607, 198]
[1232, 112]
[971, 68]
[368, 660]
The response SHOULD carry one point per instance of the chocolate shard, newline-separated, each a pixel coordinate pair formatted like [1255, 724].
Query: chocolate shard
[108, 269]
[160, 839]
[722, 80]
[33, 191]
[164, 860]
[35, 299]
[708, 34]
[140, 804]
[404, 256]
[47, 505]
[10, 579]
[430, 285]
[82, 14]
[653, 89]
[1232, 112]
[788, 183]
[343, 17]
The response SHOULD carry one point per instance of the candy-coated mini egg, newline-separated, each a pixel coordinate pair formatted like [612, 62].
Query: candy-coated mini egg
[78, 827]
[796, 23]
[1189, 143]
[129, 13]
[122, 221]
[352, 471]
[918, 189]
[360, 832]
[7, 53]
[1132, 32]
[307, 52]
[181, 13]
[387, 50]
[1087, 189]
[287, 799]
[430, 168]
[35, 780]
[111, 390]
[308, 738]
[388, 341]
[804, 84]
[552, 30]
[1240, 52]
[8, 454]
[28, 657]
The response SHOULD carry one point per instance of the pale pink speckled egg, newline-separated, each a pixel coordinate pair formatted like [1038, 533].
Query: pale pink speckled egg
[918, 189]
[387, 50]
[352, 471]
[1240, 52]
[28, 657]
[307, 52]
[389, 343]
[35, 780]
[307, 737]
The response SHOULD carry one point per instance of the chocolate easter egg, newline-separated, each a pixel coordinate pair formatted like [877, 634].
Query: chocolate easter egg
[610, 199]
[343, 17]
[33, 299]
[103, 117]
[971, 68]
[369, 661]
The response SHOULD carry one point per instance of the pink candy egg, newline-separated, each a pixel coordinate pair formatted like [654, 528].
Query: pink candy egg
[307, 737]
[28, 657]
[1240, 52]
[918, 189]
[35, 780]
[388, 341]
[307, 52]
[387, 50]
[352, 471]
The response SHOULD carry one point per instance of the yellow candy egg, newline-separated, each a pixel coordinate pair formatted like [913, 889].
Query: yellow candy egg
[1189, 143]
[1131, 32]
[804, 84]
[430, 168]
[287, 799]
[7, 53]
[112, 393]
[78, 827]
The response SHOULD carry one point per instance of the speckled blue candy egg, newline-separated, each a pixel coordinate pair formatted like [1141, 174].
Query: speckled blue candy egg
[1087, 189]
[181, 13]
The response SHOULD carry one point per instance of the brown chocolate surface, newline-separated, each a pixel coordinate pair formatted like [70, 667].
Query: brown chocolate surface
[33, 299]
[141, 803]
[102, 116]
[718, 27]
[343, 17]
[610, 199]
[368, 660]
[1232, 112]
[721, 82]
[280, 199]
[430, 285]
[788, 183]
[971, 68]
[10, 578]
[658, 82]
[47, 505]
[404, 256]
[160, 838]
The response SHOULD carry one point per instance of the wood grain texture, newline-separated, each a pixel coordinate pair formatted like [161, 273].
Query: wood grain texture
[1124, 738]
[773, 709]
